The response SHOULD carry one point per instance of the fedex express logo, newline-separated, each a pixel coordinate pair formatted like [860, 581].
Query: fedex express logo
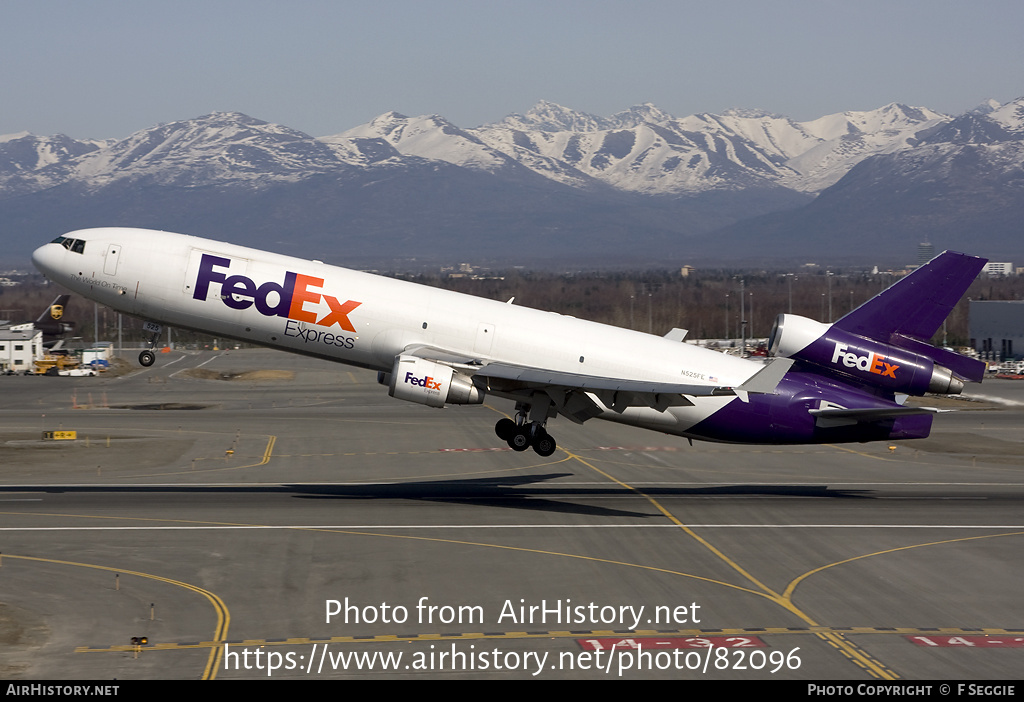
[425, 382]
[872, 363]
[287, 299]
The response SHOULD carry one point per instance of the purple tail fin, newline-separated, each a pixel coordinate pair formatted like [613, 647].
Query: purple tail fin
[911, 311]
[915, 306]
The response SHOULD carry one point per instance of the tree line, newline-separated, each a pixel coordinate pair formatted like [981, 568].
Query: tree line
[707, 303]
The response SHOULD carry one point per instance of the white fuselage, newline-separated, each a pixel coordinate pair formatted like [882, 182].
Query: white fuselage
[367, 320]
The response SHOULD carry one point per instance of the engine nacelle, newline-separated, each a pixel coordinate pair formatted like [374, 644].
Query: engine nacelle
[430, 383]
[865, 360]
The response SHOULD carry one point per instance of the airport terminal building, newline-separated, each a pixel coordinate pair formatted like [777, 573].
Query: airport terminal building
[997, 328]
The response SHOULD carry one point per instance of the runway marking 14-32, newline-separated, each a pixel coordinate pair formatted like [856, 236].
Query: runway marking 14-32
[671, 642]
[969, 641]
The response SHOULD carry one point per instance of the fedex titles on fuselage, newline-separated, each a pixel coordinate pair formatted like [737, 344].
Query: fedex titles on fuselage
[241, 292]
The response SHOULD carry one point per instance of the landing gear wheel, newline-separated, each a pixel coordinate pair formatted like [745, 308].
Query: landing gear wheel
[147, 358]
[505, 428]
[520, 441]
[544, 444]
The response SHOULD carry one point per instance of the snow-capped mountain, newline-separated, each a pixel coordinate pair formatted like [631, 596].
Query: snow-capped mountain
[550, 117]
[842, 140]
[959, 184]
[640, 150]
[646, 150]
[430, 137]
[561, 178]
[220, 148]
[24, 157]
[1010, 116]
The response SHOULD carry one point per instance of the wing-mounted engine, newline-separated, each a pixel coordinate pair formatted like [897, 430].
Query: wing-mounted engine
[430, 383]
[865, 361]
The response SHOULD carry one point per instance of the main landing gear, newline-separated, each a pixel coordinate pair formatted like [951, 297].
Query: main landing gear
[521, 433]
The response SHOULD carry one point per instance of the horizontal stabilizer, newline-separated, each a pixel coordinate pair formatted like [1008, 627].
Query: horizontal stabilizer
[869, 413]
[967, 368]
[832, 417]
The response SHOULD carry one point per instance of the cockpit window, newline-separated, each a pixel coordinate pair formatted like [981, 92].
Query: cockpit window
[75, 245]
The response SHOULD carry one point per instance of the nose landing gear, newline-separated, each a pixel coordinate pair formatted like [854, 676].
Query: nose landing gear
[147, 357]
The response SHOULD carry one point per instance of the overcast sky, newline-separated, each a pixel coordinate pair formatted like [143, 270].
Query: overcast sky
[107, 68]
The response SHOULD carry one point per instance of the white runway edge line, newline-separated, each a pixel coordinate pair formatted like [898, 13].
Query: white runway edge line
[97, 487]
[425, 527]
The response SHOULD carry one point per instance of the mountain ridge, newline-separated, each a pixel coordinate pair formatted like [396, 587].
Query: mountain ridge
[641, 174]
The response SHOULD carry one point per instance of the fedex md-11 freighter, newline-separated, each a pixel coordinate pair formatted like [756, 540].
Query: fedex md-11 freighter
[838, 382]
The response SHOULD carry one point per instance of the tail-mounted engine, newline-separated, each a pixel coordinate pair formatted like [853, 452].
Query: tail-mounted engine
[430, 383]
[867, 361]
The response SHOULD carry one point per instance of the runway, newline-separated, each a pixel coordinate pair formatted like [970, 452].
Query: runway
[256, 514]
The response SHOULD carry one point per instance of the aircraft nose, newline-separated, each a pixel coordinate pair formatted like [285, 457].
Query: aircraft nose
[46, 259]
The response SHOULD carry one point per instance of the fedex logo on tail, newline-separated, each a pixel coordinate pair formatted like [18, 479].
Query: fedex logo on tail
[287, 299]
[872, 363]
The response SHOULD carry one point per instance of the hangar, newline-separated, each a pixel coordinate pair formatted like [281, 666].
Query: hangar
[997, 328]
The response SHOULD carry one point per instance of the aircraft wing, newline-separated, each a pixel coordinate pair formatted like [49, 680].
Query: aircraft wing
[574, 393]
[764, 381]
[544, 377]
[535, 376]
